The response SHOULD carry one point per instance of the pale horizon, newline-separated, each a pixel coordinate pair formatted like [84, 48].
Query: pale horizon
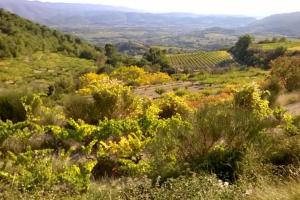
[257, 8]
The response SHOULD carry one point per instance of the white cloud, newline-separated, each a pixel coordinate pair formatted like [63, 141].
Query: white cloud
[232, 7]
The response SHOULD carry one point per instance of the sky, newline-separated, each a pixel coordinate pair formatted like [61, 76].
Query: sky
[258, 8]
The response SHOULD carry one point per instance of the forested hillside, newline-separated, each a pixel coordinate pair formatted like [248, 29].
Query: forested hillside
[19, 36]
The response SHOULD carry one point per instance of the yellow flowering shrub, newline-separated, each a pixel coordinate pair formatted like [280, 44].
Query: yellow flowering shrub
[92, 78]
[124, 155]
[101, 97]
[134, 75]
[90, 81]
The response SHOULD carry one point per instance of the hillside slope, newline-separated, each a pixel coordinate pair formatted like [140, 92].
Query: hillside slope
[19, 36]
[285, 24]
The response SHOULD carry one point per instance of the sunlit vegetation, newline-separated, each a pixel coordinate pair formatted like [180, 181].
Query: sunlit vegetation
[41, 70]
[134, 75]
[245, 54]
[71, 130]
[290, 45]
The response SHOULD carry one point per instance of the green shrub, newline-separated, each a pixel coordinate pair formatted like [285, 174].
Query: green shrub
[181, 92]
[194, 186]
[35, 170]
[273, 86]
[220, 136]
[37, 112]
[224, 162]
[100, 98]
[11, 107]
[252, 98]
[115, 102]
[80, 107]
[170, 105]
[160, 91]
[163, 149]
[287, 71]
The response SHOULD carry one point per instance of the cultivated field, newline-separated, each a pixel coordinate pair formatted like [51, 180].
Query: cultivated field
[199, 61]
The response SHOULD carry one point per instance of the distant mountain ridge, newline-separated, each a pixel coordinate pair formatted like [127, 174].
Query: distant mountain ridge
[66, 15]
[285, 24]
[71, 15]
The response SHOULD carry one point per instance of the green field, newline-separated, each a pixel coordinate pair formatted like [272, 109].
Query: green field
[40, 70]
[290, 45]
[199, 61]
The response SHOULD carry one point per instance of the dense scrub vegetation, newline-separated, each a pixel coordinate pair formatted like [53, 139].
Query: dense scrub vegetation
[245, 54]
[105, 130]
[286, 70]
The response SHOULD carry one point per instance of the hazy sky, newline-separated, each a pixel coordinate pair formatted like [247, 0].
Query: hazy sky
[233, 7]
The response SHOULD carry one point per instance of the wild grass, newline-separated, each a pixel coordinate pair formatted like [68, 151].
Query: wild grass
[40, 70]
[288, 98]
[290, 45]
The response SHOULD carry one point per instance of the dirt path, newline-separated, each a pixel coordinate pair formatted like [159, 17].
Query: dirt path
[293, 108]
[149, 91]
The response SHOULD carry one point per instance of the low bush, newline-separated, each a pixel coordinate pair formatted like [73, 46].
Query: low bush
[287, 71]
[160, 91]
[273, 86]
[99, 98]
[80, 107]
[252, 98]
[170, 105]
[33, 170]
[11, 107]
[134, 75]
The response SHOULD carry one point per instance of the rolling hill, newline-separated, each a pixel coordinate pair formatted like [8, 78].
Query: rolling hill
[33, 56]
[284, 24]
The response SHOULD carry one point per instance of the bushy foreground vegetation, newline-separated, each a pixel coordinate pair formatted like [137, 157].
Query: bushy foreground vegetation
[218, 151]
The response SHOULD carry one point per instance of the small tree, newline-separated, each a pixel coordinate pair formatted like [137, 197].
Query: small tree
[240, 50]
[157, 56]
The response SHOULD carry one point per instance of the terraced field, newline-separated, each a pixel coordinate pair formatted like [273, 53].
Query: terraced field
[199, 61]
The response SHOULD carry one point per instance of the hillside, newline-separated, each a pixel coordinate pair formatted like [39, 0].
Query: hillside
[285, 24]
[19, 36]
[293, 45]
[41, 70]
